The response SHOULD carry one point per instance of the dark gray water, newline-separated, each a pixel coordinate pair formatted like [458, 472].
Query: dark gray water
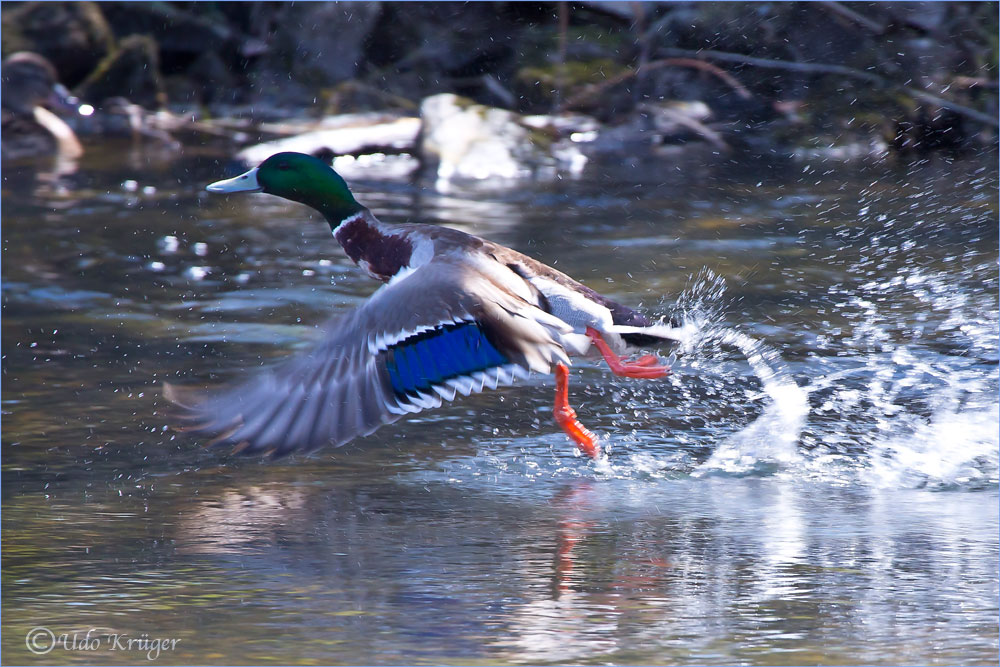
[815, 483]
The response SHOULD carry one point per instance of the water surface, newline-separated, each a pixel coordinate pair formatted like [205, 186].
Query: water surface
[815, 483]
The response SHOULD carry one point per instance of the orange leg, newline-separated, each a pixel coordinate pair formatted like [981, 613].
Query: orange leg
[646, 366]
[566, 416]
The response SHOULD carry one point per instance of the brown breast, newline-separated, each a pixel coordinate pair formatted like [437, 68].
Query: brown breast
[381, 254]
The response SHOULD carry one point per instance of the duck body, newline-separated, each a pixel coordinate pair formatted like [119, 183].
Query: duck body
[28, 127]
[385, 252]
[456, 314]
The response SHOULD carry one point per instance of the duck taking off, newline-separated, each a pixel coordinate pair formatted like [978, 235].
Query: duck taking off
[456, 314]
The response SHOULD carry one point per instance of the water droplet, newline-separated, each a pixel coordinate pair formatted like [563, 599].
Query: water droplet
[168, 244]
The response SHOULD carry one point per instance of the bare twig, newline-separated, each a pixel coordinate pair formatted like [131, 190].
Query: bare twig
[960, 109]
[696, 126]
[974, 82]
[853, 16]
[492, 84]
[642, 41]
[360, 87]
[815, 68]
[849, 72]
[563, 38]
[594, 89]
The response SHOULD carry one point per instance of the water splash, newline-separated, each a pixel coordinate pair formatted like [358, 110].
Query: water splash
[773, 437]
[887, 380]
[770, 440]
[919, 406]
[876, 408]
[954, 449]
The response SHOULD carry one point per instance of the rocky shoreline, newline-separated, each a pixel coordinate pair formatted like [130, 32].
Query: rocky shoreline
[510, 90]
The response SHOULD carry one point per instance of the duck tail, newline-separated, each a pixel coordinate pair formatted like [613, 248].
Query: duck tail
[654, 334]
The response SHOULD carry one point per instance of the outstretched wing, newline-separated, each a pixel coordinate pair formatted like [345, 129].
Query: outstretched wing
[443, 329]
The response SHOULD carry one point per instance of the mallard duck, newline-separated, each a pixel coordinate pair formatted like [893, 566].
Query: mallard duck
[29, 128]
[455, 314]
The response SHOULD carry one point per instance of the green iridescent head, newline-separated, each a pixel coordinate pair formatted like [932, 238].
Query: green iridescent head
[299, 177]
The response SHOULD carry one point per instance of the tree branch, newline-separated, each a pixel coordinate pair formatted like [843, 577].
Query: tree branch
[767, 63]
[695, 63]
[849, 72]
[853, 16]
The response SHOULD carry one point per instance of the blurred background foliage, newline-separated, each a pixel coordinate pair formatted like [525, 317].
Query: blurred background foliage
[916, 74]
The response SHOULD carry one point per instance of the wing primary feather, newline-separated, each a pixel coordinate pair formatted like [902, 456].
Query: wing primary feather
[277, 428]
[387, 359]
[445, 391]
[251, 428]
[305, 422]
[462, 384]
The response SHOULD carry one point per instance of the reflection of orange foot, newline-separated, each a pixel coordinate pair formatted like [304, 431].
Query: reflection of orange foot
[572, 505]
[566, 416]
[646, 367]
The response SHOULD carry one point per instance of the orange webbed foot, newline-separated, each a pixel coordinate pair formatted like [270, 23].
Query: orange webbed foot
[646, 367]
[565, 416]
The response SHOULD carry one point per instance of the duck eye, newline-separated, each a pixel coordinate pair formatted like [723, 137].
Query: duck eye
[283, 166]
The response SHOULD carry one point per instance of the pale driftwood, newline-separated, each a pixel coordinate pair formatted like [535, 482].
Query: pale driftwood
[392, 137]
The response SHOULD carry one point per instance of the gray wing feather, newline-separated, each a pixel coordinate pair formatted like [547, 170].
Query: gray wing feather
[338, 391]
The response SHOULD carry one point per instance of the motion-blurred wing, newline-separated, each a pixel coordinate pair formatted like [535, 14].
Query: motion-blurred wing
[441, 330]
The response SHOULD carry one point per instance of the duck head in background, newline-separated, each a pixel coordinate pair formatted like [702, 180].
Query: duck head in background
[29, 94]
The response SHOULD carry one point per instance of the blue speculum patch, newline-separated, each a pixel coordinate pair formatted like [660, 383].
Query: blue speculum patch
[433, 356]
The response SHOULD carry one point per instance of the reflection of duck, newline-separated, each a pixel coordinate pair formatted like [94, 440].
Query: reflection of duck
[29, 128]
[457, 313]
